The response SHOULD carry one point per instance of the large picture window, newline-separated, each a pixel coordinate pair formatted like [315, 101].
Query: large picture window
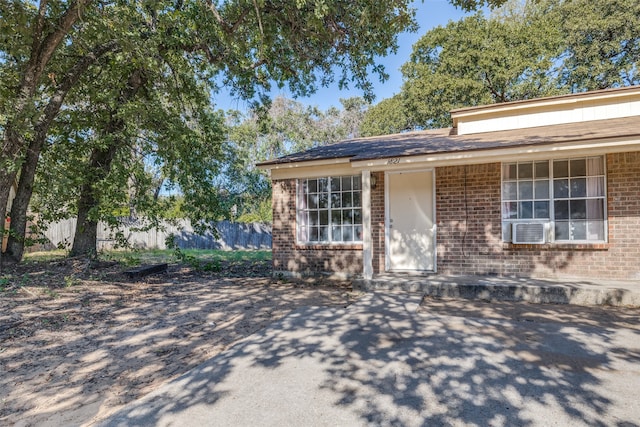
[329, 210]
[568, 194]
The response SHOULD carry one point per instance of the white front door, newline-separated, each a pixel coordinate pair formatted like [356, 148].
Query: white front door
[410, 221]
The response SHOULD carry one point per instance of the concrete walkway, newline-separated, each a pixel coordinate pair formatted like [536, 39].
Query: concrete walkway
[387, 361]
[488, 288]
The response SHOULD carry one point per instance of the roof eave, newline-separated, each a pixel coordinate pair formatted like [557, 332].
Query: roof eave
[279, 164]
[498, 154]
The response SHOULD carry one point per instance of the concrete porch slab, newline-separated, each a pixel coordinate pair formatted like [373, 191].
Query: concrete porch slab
[490, 288]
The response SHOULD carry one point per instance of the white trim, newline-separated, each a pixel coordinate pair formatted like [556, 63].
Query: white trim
[297, 207]
[294, 165]
[551, 101]
[317, 171]
[548, 115]
[330, 209]
[387, 266]
[367, 241]
[552, 220]
[435, 222]
[386, 221]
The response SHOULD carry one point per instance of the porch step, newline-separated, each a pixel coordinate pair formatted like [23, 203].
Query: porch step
[488, 288]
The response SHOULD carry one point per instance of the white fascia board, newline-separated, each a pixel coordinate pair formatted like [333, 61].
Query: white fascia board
[294, 165]
[541, 103]
[313, 170]
[614, 145]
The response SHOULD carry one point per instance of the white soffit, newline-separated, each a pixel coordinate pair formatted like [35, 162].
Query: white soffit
[548, 111]
[312, 169]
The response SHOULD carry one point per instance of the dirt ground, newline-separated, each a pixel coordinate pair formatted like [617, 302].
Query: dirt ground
[78, 340]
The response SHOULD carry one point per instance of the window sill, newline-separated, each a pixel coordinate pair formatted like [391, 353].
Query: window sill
[600, 246]
[329, 246]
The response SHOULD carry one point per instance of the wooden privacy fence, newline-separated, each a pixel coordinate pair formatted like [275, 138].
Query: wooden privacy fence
[231, 235]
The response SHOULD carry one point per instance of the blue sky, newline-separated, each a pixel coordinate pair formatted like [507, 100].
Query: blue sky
[429, 14]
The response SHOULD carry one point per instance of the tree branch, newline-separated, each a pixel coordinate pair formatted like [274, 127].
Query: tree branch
[50, 43]
[227, 28]
[39, 26]
[70, 79]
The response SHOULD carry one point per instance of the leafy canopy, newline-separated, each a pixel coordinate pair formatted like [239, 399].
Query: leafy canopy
[523, 50]
[275, 129]
[477, 61]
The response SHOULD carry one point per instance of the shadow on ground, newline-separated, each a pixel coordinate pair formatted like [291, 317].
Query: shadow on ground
[71, 354]
[379, 362]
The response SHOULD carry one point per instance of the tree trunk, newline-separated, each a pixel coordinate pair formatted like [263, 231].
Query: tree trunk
[86, 235]
[13, 147]
[42, 49]
[8, 171]
[85, 240]
[5, 188]
[15, 247]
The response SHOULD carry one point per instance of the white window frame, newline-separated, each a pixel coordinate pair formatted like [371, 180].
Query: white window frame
[304, 212]
[551, 221]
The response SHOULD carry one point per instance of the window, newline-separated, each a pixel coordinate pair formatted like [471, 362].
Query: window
[329, 209]
[569, 194]
[525, 190]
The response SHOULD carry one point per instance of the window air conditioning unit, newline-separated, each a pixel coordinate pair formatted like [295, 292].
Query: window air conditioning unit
[529, 232]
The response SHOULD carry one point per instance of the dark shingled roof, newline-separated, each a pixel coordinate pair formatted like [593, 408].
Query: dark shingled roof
[444, 141]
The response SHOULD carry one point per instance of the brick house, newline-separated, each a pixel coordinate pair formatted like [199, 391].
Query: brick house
[548, 187]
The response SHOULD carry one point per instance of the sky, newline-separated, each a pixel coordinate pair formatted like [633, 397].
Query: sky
[429, 14]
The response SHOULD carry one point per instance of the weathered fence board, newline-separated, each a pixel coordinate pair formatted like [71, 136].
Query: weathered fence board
[231, 235]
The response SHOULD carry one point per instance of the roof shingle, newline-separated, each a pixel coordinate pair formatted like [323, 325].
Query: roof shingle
[445, 141]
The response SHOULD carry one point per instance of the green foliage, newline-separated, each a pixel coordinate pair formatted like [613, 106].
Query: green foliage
[262, 213]
[121, 146]
[35, 234]
[47, 256]
[191, 260]
[4, 283]
[155, 256]
[603, 42]
[305, 44]
[53, 295]
[470, 5]
[13, 284]
[274, 129]
[353, 113]
[165, 134]
[387, 117]
[478, 61]
[70, 281]
[523, 50]
[131, 259]
[173, 207]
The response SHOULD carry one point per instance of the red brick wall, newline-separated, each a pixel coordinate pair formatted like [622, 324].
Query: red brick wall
[284, 223]
[377, 223]
[623, 206]
[468, 219]
[305, 259]
[469, 228]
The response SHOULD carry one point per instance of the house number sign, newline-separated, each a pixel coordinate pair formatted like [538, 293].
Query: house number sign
[393, 161]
